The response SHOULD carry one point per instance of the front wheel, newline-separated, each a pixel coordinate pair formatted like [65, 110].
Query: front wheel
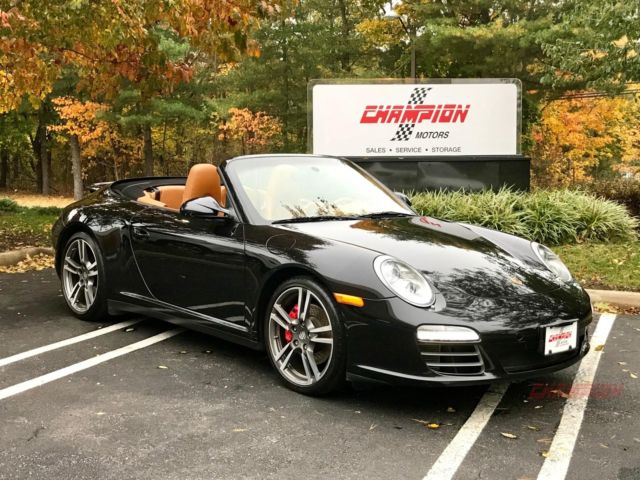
[83, 278]
[305, 338]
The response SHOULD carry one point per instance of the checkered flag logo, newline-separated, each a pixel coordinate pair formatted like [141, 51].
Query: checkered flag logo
[405, 130]
[418, 95]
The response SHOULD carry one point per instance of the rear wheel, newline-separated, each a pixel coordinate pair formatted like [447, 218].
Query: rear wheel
[83, 279]
[304, 337]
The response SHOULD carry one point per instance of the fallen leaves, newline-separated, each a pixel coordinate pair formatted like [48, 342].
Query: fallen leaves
[38, 262]
[509, 435]
[603, 307]
[560, 393]
[428, 424]
[163, 367]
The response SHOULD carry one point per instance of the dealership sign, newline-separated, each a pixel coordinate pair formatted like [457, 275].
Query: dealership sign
[459, 117]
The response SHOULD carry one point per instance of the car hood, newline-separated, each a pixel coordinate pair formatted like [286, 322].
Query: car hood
[453, 256]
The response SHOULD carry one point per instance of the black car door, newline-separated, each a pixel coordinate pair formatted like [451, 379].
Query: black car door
[196, 264]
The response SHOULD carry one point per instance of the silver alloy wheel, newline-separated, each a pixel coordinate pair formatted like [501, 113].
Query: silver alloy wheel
[80, 275]
[300, 336]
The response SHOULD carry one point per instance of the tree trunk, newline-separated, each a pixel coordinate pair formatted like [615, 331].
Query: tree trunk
[148, 151]
[44, 162]
[76, 167]
[37, 144]
[4, 167]
[345, 57]
[15, 169]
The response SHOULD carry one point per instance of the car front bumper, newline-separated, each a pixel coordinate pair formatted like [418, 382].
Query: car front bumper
[382, 343]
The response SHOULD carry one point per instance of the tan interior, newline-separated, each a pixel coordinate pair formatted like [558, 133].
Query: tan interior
[203, 180]
[223, 196]
[280, 181]
[171, 195]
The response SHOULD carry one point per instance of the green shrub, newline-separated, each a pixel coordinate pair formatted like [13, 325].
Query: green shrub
[623, 190]
[46, 210]
[8, 205]
[550, 217]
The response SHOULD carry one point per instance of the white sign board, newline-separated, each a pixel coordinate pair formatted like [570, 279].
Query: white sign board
[427, 119]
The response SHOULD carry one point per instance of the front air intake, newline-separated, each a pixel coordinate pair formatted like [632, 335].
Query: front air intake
[453, 359]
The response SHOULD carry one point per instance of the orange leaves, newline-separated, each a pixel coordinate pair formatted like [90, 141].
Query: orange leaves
[98, 138]
[575, 137]
[115, 42]
[253, 131]
[24, 71]
[79, 118]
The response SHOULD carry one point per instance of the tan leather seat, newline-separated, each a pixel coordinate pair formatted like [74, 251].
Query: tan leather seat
[223, 196]
[150, 198]
[171, 195]
[281, 182]
[203, 181]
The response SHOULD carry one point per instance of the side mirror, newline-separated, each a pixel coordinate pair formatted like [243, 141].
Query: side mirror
[403, 197]
[203, 207]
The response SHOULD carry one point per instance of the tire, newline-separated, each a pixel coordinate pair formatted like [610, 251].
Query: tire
[304, 338]
[84, 283]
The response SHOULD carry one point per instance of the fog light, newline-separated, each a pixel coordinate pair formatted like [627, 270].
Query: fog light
[447, 333]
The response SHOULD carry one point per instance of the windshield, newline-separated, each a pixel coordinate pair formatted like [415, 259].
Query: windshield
[287, 188]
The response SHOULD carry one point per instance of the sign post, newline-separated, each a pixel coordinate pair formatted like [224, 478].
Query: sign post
[437, 134]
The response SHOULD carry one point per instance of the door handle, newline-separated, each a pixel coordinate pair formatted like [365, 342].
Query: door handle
[141, 233]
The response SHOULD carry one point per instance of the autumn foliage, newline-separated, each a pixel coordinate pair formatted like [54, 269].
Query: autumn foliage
[576, 140]
[252, 132]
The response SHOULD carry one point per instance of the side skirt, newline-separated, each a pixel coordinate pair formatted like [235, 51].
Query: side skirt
[177, 316]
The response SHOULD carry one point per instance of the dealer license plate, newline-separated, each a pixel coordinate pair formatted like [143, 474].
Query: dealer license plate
[560, 339]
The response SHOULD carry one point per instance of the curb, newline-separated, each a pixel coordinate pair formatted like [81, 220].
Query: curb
[621, 299]
[11, 258]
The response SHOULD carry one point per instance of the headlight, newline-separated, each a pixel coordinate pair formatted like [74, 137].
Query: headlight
[552, 261]
[405, 281]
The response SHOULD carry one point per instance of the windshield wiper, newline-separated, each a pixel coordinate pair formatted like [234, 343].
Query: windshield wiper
[317, 218]
[386, 215]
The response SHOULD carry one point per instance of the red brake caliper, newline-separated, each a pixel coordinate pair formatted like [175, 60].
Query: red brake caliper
[293, 315]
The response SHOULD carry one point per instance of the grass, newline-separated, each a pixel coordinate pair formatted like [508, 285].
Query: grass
[24, 226]
[606, 266]
[28, 200]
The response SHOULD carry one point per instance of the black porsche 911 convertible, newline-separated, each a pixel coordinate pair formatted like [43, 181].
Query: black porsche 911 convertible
[333, 274]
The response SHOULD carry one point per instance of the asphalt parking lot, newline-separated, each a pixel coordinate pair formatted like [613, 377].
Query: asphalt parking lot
[189, 407]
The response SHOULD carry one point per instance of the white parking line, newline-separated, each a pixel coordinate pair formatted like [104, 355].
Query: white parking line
[451, 458]
[556, 465]
[63, 343]
[91, 362]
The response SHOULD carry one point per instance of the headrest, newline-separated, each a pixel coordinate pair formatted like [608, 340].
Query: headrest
[203, 180]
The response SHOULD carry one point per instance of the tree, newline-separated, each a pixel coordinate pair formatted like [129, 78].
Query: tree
[596, 44]
[579, 139]
[311, 39]
[118, 44]
[251, 131]
[81, 127]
